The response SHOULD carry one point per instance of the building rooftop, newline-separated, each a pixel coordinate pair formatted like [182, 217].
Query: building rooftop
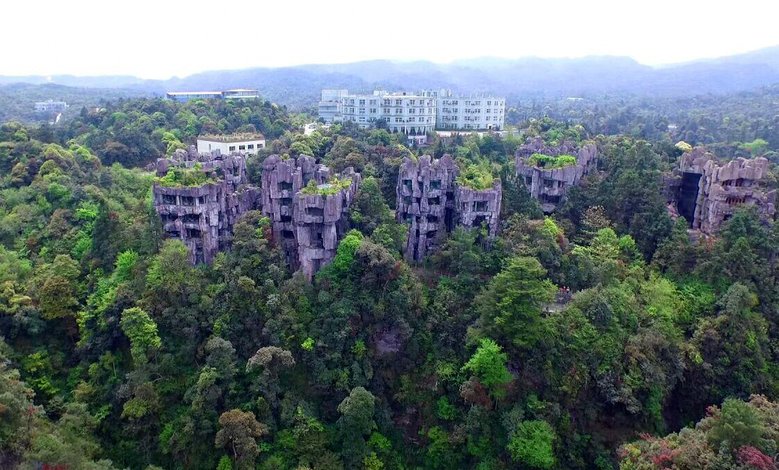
[242, 137]
[194, 92]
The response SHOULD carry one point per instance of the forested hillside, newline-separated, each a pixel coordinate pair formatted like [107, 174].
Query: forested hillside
[594, 338]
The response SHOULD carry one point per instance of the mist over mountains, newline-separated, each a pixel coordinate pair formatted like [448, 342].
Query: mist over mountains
[300, 85]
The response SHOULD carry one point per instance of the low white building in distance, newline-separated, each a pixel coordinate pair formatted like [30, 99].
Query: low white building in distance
[184, 96]
[241, 94]
[234, 94]
[231, 143]
[50, 106]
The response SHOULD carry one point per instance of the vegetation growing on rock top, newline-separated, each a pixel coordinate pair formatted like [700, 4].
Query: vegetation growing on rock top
[333, 186]
[549, 162]
[476, 176]
[178, 177]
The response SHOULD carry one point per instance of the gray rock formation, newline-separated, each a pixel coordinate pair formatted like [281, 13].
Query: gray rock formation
[321, 220]
[549, 186]
[431, 202]
[476, 207]
[425, 201]
[307, 224]
[203, 216]
[707, 192]
[281, 181]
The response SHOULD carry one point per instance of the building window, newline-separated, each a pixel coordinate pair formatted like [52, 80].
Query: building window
[250, 146]
[232, 148]
[241, 147]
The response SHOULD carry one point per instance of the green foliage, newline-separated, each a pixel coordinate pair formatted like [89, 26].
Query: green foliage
[548, 162]
[512, 303]
[552, 228]
[476, 176]
[739, 435]
[138, 326]
[139, 357]
[531, 444]
[308, 344]
[356, 423]
[445, 410]
[738, 424]
[239, 431]
[756, 148]
[179, 177]
[332, 187]
[224, 463]
[344, 256]
[488, 364]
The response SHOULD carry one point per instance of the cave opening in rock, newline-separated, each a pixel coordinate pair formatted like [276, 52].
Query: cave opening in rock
[688, 196]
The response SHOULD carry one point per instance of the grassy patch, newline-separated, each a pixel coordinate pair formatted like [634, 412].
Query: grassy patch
[540, 160]
[330, 188]
[185, 177]
[477, 176]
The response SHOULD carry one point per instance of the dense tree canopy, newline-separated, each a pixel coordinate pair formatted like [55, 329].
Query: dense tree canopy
[567, 341]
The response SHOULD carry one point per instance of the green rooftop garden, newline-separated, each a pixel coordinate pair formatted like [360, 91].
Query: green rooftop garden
[476, 176]
[549, 162]
[328, 189]
[185, 177]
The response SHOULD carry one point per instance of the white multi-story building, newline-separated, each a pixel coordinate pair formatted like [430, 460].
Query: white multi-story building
[415, 114]
[469, 112]
[50, 106]
[412, 114]
[232, 143]
[330, 105]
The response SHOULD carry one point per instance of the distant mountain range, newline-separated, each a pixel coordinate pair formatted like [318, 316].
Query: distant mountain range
[300, 85]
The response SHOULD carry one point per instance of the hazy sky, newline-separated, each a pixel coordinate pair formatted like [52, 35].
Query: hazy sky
[162, 38]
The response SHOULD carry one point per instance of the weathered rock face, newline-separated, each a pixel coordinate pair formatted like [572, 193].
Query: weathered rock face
[431, 202]
[477, 207]
[281, 180]
[203, 216]
[321, 220]
[307, 226]
[425, 200]
[707, 193]
[549, 186]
